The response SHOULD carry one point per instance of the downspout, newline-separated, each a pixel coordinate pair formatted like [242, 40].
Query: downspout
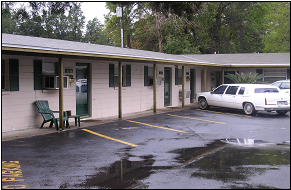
[61, 89]
[120, 91]
[183, 86]
[155, 89]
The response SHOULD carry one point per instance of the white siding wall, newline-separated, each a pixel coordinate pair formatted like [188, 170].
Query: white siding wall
[20, 112]
[18, 108]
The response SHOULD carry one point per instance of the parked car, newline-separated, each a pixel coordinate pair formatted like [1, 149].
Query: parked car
[248, 97]
[284, 85]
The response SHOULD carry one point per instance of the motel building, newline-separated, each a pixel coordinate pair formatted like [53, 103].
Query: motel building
[102, 81]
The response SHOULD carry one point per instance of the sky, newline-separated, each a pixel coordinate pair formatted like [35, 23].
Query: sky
[94, 9]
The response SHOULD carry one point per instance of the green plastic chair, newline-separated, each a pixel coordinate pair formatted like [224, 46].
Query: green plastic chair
[47, 114]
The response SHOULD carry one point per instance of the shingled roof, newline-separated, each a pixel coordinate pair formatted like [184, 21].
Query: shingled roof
[11, 42]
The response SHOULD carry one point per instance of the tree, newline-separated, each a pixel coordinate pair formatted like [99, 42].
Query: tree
[113, 23]
[75, 24]
[230, 27]
[241, 78]
[95, 34]
[277, 37]
[8, 23]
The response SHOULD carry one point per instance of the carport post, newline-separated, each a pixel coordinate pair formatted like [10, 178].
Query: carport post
[61, 88]
[205, 78]
[120, 91]
[183, 86]
[222, 76]
[155, 89]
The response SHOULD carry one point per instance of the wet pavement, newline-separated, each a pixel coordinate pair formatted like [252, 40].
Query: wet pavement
[183, 149]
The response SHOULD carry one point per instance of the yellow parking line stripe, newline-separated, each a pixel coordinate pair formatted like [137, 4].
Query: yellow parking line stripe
[196, 119]
[89, 131]
[224, 113]
[155, 126]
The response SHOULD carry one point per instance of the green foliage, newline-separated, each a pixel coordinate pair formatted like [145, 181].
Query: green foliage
[277, 38]
[95, 34]
[75, 24]
[241, 78]
[169, 27]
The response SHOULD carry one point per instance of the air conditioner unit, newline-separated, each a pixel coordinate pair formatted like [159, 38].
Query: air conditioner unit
[52, 82]
[188, 92]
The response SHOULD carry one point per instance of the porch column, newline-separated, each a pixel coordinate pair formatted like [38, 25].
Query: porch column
[183, 86]
[155, 89]
[205, 78]
[222, 76]
[120, 91]
[61, 88]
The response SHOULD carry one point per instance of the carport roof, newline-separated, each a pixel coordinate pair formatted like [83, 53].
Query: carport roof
[21, 43]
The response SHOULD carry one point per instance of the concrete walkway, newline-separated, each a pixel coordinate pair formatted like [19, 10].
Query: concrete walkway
[85, 122]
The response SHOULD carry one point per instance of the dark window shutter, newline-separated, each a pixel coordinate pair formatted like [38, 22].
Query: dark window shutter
[111, 75]
[259, 72]
[146, 77]
[288, 73]
[176, 76]
[14, 74]
[3, 74]
[128, 75]
[37, 71]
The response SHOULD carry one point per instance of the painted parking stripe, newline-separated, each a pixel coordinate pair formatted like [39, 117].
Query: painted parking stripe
[155, 126]
[196, 119]
[104, 136]
[224, 113]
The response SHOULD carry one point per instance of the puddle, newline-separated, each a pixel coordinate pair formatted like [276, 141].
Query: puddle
[245, 142]
[122, 174]
[227, 160]
[223, 160]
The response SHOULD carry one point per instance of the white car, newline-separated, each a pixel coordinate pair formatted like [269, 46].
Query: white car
[249, 97]
[284, 85]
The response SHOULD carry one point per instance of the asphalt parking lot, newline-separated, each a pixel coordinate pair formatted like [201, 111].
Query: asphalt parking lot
[165, 150]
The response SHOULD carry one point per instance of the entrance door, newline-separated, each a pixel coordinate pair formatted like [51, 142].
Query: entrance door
[82, 90]
[167, 86]
[192, 84]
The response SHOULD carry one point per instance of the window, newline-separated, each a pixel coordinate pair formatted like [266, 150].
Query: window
[231, 90]
[49, 68]
[148, 76]
[52, 82]
[273, 74]
[241, 91]
[114, 77]
[266, 90]
[178, 76]
[10, 81]
[46, 75]
[219, 90]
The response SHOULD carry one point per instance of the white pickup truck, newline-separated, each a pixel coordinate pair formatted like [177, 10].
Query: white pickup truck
[249, 97]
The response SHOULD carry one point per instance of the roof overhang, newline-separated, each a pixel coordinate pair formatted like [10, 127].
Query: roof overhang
[159, 59]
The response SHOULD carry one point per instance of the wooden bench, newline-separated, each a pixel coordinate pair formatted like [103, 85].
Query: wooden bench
[47, 114]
